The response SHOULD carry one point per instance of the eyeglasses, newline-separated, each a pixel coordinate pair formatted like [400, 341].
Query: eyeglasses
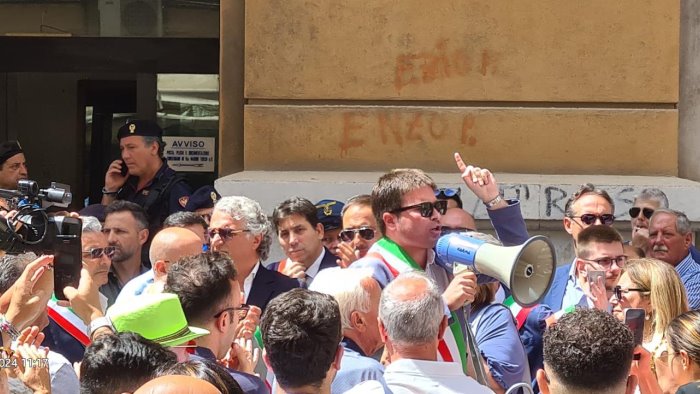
[618, 291]
[444, 230]
[347, 235]
[242, 311]
[426, 208]
[607, 262]
[647, 212]
[448, 192]
[96, 253]
[224, 233]
[589, 219]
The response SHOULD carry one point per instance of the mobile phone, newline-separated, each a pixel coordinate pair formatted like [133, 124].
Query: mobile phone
[125, 170]
[634, 319]
[593, 276]
[64, 242]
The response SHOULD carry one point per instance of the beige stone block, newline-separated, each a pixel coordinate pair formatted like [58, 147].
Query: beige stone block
[474, 50]
[543, 141]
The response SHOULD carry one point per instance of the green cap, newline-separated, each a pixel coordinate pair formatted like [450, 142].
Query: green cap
[158, 317]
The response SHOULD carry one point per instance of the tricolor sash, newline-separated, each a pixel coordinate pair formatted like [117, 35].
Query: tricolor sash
[452, 347]
[68, 321]
[520, 313]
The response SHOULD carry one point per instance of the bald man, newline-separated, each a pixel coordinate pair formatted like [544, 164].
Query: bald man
[168, 246]
[457, 220]
[177, 384]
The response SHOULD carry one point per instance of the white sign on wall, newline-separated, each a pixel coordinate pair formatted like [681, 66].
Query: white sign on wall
[191, 154]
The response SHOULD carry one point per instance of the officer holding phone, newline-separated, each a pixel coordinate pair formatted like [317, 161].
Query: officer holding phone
[143, 176]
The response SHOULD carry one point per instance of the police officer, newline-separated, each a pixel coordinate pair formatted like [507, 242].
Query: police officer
[13, 165]
[143, 176]
[329, 213]
[202, 202]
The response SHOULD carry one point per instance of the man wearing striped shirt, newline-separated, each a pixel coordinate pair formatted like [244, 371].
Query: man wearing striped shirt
[670, 238]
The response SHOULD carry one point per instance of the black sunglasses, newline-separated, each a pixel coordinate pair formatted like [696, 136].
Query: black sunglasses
[241, 310]
[348, 235]
[617, 290]
[647, 212]
[96, 253]
[224, 233]
[448, 192]
[444, 230]
[589, 218]
[426, 208]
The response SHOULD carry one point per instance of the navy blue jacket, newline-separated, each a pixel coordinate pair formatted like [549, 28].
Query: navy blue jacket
[267, 285]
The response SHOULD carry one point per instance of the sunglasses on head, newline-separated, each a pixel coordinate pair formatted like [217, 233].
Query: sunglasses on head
[647, 212]
[224, 233]
[448, 192]
[96, 253]
[347, 235]
[590, 219]
[426, 208]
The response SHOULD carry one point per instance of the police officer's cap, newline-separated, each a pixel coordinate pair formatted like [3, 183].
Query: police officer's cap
[143, 128]
[204, 197]
[9, 149]
[328, 213]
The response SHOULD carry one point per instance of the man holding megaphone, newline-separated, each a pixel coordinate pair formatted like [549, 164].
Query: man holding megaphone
[408, 214]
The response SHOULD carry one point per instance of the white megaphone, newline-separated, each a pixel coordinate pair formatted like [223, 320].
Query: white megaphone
[527, 269]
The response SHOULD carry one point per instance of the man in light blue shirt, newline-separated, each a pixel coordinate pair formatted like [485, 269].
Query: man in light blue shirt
[358, 297]
[168, 246]
[670, 237]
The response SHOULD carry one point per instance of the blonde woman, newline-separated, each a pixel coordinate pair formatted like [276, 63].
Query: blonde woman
[677, 368]
[654, 286]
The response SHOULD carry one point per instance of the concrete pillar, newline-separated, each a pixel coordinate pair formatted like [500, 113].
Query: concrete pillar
[689, 105]
[232, 27]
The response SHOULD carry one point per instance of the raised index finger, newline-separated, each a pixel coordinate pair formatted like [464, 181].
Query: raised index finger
[460, 163]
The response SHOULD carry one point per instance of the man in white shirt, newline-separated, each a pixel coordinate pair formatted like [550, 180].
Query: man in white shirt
[411, 323]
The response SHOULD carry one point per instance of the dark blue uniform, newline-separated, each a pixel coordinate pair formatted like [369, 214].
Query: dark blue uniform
[166, 193]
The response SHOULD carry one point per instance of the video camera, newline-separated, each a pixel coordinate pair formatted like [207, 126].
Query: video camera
[32, 230]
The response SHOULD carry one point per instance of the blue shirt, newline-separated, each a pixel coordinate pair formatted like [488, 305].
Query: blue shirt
[499, 342]
[689, 271]
[355, 368]
[574, 294]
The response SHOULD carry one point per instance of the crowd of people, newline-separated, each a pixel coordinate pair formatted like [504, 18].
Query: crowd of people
[177, 293]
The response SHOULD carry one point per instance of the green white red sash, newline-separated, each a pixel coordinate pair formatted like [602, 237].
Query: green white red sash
[520, 313]
[68, 321]
[452, 347]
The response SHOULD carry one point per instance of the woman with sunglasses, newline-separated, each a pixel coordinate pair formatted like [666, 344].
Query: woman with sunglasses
[654, 286]
[66, 331]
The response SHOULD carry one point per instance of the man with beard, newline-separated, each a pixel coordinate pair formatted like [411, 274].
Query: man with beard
[126, 228]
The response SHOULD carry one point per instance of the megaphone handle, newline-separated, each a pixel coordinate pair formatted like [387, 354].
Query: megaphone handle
[474, 363]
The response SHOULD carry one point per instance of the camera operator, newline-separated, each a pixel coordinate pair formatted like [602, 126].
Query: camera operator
[148, 180]
[13, 165]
